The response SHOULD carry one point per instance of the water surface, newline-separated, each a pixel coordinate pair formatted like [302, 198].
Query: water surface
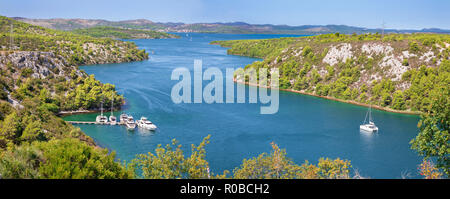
[307, 127]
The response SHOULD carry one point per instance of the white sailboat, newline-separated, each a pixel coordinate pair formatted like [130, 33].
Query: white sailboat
[112, 118]
[370, 126]
[101, 118]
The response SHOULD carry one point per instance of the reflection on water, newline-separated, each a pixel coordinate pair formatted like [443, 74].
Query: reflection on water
[368, 137]
[146, 132]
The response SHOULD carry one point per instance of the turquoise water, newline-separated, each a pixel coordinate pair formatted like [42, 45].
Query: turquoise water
[307, 127]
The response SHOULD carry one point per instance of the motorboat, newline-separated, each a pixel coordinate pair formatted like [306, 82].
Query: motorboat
[131, 125]
[123, 118]
[146, 124]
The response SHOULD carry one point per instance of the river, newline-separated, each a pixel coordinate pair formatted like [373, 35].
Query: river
[307, 127]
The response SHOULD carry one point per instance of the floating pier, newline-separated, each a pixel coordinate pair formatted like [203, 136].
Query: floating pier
[98, 123]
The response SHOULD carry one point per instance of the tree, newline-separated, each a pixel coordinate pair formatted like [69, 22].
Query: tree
[306, 51]
[301, 83]
[268, 166]
[21, 162]
[33, 132]
[429, 171]
[285, 83]
[433, 140]
[5, 109]
[315, 77]
[277, 166]
[386, 99]
[414, 47]
[70, 158]
[45, 96]
[10, 129]
[166, 163]
[333, 169]
[399, 100]
[170, 163]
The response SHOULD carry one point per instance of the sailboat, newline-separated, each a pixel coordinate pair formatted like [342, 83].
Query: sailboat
[112, 118]
[101, 118]
[370, 126]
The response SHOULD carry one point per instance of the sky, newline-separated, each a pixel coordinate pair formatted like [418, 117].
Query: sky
[396, 14]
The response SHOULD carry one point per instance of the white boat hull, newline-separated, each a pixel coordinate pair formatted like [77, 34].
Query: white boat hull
[151, 127]
[112, 120]
[368, 128]
[146, 124]
[101, 119]
[131, 126]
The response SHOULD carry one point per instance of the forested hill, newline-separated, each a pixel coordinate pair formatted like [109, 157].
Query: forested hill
[39, 77]
[395, 72]
[38, 61]
[233, 28]
[122, 33]
[76, 49]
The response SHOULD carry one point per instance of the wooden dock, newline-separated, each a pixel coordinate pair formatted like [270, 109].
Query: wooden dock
[97, 123]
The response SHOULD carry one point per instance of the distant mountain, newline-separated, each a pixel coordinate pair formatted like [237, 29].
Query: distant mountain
[219, 27]
[123, 33]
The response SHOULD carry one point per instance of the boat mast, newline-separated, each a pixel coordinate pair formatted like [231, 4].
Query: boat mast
[365, 118]
[101, 108]
[112, 106]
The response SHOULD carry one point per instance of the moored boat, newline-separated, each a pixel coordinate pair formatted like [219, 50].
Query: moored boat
[101, 118]
[370, 126]
[131, 125]
[123, 118]
[146, 124]
[112, 118]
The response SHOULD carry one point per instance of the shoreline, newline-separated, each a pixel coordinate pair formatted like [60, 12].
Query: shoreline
[79, 112]
[65, 113]
[336, 99]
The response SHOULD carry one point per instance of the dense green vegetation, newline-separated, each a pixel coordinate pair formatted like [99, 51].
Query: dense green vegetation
[259, 48]
[70, 158]
[88, 93]
[63, 87]
[359, 78]
[67, 158]
[76, 49]
[34, 141]
[121, 33]
[433, 141]
[57, 94]
[169, 162]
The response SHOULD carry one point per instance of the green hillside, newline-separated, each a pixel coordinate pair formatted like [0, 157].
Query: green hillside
[121, 33]
[395, 72]
[43, 61]
[77, 49]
